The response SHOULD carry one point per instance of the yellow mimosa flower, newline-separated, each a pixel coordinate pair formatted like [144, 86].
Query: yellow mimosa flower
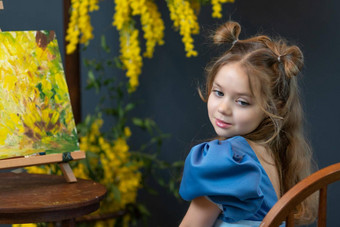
[217, 7]
[80, 23]
[24, 225]
[127, 131]
[185, 21]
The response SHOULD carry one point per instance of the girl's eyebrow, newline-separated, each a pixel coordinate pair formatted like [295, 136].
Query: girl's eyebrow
[244, 94]
[237, 93]
[216, 84]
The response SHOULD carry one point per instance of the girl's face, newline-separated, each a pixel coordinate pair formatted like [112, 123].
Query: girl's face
[231, 106]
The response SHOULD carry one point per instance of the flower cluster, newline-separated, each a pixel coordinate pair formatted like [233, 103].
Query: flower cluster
[122, 14]
[217, 7]
[152, 26]
[80, 23]
[111, 164]
[130, 55]
[182, 12]
[24, 225]
[44, 169]
[185, 21]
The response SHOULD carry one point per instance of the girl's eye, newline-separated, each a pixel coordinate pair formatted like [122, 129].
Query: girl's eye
[242, 103]
[218, 93]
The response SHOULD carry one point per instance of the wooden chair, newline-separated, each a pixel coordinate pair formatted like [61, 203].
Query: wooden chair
[317, 181]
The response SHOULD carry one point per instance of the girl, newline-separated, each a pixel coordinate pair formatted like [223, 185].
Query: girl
[254, 107]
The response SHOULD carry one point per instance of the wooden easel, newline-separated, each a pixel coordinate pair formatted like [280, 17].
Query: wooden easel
[19, 162]
[60, 159]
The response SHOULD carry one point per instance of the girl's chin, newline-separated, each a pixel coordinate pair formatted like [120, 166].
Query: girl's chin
[224, 135]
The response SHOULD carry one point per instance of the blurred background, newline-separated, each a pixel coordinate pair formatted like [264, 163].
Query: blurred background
[167, 91]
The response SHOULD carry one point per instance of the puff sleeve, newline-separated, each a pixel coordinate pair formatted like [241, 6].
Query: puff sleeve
[227, 175]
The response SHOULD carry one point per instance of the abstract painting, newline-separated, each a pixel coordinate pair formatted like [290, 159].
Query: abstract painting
[35, 108]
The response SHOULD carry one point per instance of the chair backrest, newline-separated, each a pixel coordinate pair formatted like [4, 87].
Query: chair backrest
[318, 181]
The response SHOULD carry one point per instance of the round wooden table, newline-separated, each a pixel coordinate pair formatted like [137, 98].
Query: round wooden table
[32, 198]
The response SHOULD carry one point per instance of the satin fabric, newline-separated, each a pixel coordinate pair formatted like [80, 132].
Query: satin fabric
[230, 175]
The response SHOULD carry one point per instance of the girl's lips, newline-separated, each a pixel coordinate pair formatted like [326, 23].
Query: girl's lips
[222, 124]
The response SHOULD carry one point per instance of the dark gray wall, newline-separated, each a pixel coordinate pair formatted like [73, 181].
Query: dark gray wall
[169, 80]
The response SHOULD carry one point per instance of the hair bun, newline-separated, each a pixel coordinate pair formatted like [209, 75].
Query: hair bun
[227, 33]
[293, 61]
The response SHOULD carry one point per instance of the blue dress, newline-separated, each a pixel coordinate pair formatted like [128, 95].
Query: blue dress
[229, 174]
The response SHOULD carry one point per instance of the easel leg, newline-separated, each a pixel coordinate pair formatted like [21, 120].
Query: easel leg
[67, 171]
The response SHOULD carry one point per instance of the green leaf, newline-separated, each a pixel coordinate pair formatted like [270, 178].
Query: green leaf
[90, 76]
[178, 164]
[143, 209]
[150, 190]
[104, 45]
[161, 181]
[172, 186]
[138, 122]
[109, 81]
[116, 192]
[120, 112]
[99, 66]
[129, 107]
[110, 111]
[118, 63]
[92, 81]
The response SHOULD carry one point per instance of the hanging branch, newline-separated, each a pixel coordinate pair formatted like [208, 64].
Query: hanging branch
[183, 13]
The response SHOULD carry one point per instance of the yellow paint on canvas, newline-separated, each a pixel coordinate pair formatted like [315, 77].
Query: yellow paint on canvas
[35, 110]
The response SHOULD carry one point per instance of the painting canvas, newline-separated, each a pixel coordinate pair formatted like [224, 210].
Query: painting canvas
[35, 108]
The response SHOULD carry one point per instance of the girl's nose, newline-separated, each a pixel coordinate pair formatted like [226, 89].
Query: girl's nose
[225, 107]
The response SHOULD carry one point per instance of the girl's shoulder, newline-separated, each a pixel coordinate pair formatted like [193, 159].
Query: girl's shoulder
[218, 164]
[235, 147]
[229, 174]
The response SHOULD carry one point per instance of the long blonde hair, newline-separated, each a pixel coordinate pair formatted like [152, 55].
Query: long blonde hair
[272, 67]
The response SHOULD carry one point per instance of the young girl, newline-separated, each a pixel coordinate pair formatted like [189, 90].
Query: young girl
[254, 107]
